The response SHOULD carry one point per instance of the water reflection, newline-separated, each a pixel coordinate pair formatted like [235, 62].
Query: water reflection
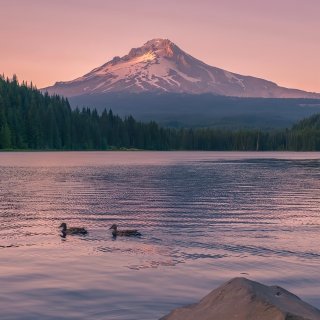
[204, 217]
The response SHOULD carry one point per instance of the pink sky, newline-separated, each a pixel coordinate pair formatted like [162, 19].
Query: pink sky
[45, 41]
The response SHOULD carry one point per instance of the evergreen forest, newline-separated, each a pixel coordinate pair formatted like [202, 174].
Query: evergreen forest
[31, 120]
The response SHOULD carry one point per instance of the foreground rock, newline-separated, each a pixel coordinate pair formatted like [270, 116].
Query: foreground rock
[243, 299]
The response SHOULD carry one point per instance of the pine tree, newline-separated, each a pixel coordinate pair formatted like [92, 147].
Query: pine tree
[5, 137]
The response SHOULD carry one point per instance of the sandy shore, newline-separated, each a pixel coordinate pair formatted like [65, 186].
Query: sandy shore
[243, 299]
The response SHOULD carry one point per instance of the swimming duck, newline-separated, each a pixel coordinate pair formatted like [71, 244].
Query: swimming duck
[72, 230]
[125, 233]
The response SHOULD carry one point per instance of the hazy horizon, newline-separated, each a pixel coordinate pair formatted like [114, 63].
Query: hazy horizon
[49, 41]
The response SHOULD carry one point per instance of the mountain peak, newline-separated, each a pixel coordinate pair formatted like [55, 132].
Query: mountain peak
[159, 47]
[158, 42]
[161, 66]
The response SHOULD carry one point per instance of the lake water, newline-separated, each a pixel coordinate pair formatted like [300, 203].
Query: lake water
[205, 217]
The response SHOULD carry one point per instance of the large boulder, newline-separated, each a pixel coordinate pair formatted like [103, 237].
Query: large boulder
[243, 299]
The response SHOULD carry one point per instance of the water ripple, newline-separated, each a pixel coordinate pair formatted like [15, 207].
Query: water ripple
[203, 217]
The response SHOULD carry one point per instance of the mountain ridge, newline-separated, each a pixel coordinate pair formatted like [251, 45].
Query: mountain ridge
[160, 66]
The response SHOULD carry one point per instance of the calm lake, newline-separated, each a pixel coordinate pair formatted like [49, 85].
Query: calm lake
[205, 217]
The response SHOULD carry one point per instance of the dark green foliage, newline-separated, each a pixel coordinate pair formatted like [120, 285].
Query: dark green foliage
[32, 120]
[177, 110]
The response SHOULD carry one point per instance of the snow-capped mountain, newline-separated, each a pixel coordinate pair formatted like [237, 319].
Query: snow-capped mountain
[161, 66]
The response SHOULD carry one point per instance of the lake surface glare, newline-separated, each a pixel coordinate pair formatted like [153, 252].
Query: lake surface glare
[205, 217]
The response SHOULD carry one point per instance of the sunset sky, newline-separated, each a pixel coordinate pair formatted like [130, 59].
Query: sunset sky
[46, 41]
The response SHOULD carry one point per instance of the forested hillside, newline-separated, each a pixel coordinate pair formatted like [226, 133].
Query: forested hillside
[203, 110]
[32, 120]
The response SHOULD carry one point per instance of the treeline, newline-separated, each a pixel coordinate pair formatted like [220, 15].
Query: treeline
[32, 120]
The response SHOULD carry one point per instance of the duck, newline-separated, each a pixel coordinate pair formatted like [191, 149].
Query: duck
[124, 233]
[72, 230]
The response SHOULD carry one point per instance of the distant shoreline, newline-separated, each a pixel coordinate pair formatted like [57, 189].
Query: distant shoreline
[162, 151]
